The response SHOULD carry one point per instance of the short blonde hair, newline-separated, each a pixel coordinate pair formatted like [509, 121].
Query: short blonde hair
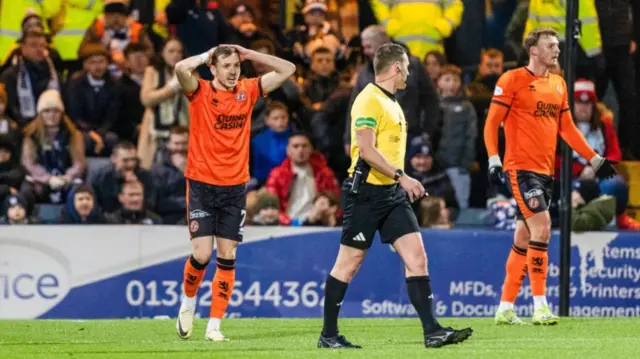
[534, 36]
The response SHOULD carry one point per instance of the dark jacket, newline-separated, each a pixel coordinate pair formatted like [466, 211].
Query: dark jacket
[319, 88]
[419, 100]
[40, 78]
[11, 176]
[593, 216]
[123, 216]
[614, 22]
[131, 109]
[92, 108]
[107, 184]
[459, 132]
[69, 214]
[171, 190]
[437, 184]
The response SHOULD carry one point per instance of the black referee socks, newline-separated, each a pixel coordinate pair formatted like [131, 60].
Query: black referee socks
[334, 291]
[419, 289]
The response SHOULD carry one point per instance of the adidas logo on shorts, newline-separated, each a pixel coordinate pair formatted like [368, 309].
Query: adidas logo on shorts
[359, 238]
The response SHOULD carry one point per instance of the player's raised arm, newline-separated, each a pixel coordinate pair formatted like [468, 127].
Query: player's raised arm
[572, 136]
[281, 69]
[498, 111]
[185, 70]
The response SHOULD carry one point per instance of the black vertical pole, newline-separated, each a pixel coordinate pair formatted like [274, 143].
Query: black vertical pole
[571, 37]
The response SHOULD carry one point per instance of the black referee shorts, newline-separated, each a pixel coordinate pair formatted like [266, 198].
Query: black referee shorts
[384, 208]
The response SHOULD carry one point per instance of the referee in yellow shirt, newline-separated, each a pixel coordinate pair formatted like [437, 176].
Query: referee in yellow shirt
[377, 197]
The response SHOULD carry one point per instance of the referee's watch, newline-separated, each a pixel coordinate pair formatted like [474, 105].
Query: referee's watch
[399, 173]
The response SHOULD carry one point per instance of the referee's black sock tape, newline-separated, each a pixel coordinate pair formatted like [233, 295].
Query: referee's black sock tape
[419, 289]
[197, 265]
[226, 264]
[334, 291]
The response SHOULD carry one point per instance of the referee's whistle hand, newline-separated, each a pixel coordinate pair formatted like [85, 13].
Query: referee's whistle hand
[414, 188]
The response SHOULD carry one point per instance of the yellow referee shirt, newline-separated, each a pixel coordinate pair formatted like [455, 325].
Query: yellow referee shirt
[377, 109]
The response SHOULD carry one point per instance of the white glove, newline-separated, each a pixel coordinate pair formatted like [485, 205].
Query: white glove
[56, 182]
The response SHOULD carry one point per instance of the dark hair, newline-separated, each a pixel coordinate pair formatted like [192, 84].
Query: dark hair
[131, 183]
[303, 134]
[158, 62]
[178, 130]
[535, 35]
[134, 47]
[264, 43]
[32, 33]
[492, 53]
[276, 105]
[223, 51]
[386, 55]
[124, 145]
[442, 60]
[321, 50]
[333, 199]
[85, 188]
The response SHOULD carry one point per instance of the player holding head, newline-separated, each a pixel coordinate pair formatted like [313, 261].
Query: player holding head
[533, 104]
[377, 197]
[218, 169]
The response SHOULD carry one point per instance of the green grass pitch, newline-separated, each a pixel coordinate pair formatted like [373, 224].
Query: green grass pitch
[296, 338]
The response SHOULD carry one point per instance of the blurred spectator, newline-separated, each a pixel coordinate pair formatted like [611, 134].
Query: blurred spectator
[287, 93]
[513, 34]
[243, 29]
[32, 75]
[132, 207]
[456, 151]
[490, 69]
[81, 207]
[436, 183]
[596, 125]
[503, 211]
[615, 26]
[302, 175]
[8, 128]
[323, 213]
[165, 102]
[590, 210]
[321, 82]
[11, 172]
[123, 168]
[267, 210]
[52, 151]
[78, 17]
[115, 29]
[31, 22]
[16, 15]
[14, 211]
[168, 177]
[590, 62]
[269, 147]
[199, 26]
[421, 25]
[316, 32]
[131, 109]
[419, 100]
[433, 62]
[434, 213]
[92, 101]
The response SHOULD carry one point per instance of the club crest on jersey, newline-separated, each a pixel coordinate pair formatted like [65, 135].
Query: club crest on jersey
[559, 88]
[194, 226]
[241, 96]
[533, 203]
[498, 91]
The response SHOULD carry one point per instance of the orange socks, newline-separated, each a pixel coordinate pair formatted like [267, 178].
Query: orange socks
[193, 274]
[537, 261]
[516, 272]
[222, 286]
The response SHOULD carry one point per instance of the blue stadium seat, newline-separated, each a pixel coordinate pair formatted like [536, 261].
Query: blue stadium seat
[473, 217]
[94, 164]
[49, 213]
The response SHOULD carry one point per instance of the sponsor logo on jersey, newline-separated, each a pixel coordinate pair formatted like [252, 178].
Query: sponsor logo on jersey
[198, 213]
[240, 96]
[230, 122]
[533, 193]
[544, 109]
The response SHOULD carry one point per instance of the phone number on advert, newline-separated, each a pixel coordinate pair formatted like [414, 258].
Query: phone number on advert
[167, 293]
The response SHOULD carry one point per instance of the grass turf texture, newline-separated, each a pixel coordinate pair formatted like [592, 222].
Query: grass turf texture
[296, 338]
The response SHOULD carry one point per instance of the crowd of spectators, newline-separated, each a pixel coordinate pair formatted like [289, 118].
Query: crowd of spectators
[101, 130]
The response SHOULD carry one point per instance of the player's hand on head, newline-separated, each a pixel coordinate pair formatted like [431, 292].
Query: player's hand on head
[241, 51]
[414, 188]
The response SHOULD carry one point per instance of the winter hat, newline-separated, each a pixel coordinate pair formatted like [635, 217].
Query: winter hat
[14, 200]
[585, 91]
[588, 189]
[116, 6]
[240, 9]
[418, 145]
[30, 14]
[311, 5]
[50, 99]
[92, 49]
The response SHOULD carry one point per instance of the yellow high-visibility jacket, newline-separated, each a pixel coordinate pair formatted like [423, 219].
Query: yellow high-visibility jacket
[11, 14]
[78, 17]
[422, 25]
[552, 13]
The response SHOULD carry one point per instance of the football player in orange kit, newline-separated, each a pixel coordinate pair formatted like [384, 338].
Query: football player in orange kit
[532, 104]
[218, 169]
